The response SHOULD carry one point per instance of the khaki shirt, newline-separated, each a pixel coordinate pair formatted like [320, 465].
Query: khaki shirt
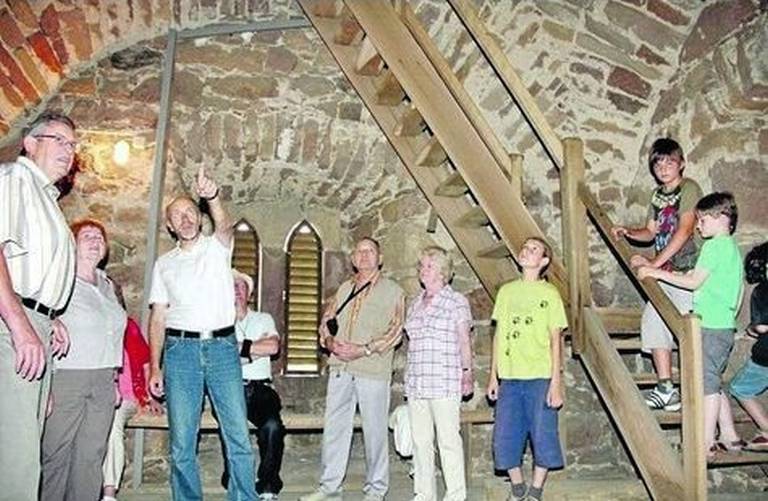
[375, 316]
[39, 247]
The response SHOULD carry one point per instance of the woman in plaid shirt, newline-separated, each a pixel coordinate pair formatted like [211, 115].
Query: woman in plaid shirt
[438, 374]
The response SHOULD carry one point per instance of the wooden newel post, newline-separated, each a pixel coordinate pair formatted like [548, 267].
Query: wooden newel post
[575, 238]
[692, 388]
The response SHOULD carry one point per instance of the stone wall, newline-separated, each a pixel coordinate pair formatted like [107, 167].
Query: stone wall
[271, 116]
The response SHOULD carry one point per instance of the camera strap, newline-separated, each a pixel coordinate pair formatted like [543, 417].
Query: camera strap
[351, 296]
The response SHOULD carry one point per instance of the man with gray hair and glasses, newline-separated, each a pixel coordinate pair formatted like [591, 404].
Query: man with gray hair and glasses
[37, 273]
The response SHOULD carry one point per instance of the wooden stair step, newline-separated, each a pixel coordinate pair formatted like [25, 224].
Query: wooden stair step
[498, 250]
[368, 61]
[432, 154]
[473, 218]
[452, 186]
[629, 343]
[326, 8]
[738, 458]
[650, 378]
[667, 418]
[411, 122]
[388, 90]
[349, 31]
[621, 320]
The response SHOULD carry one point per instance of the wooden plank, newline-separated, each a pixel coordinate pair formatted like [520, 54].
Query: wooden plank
[432, 154]
[650, 378]
[368, 61]
[657, 461]
[514, 84]
[498, 250]
[349, 30]
[515, 173]
[692, 394]
[388, 90]
[411, 122]
[575, 245]
[326, 8]
[491, 272]
[452, 186]
[473, 218]
[620, 320]
[446, 119]
[453, 84]
[622, 251]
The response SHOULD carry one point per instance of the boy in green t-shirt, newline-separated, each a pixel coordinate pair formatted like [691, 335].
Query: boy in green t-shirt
[717, 284]
[526, 371]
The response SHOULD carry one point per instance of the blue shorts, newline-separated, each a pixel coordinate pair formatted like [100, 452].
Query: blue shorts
[522, 412]
[751, 381]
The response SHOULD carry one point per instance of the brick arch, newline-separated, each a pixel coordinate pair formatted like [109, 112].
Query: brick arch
[43, 42]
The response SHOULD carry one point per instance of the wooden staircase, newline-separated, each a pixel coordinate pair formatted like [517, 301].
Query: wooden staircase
[474, 186]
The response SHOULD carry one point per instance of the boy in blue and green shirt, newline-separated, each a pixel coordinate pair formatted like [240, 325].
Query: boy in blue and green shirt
[526, 375]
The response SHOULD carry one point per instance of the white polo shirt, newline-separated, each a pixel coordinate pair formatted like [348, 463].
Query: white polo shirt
[255, 326]
[197, 286]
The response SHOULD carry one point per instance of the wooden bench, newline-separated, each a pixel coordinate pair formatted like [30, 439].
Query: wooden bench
[291, 421]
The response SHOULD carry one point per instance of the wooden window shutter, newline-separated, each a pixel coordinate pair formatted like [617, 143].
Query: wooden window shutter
[246, 257]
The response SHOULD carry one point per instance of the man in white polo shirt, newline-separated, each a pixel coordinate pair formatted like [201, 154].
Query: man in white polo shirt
[37, 273]
[259, 341]
[191, 329]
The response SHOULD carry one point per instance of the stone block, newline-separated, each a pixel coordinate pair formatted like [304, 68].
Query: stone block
[31, 70]
[77, 33]
[666, 12]
[9, 30]
[280, 59]
[609, 33]
[557, 30]
[49, 21]
[747, 180]
[248, 88]
[23, 13]
[17, 76]
[148, 91]
[649, 56]
[646, 28]
[313, 86]
[726, 141]
[625, 103]
[187, 89]
[247, 59]
[715, 22]
[13, 97]
[583, 69]
[600, 49]
[629, 82]
[667, 105]
[350, 111]
[762, 142]
[43, 50]
[60, 48]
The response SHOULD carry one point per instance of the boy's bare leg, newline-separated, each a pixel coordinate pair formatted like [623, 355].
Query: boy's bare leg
[711, 411]
[757, 412]
[539, 477]
[662, 361]
[516, 475]
[725, 421]
[519, 489]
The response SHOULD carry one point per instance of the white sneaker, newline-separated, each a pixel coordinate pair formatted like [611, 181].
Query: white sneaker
[319, 495]
[656, 399]
[267, 496]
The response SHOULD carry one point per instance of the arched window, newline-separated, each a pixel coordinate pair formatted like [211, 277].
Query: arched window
[302, 300]
[246, 257]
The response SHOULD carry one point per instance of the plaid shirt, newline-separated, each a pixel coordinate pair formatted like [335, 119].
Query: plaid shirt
[434, 354]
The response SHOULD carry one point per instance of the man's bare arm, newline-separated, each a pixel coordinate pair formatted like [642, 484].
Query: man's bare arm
[30, 352]
[156, 342]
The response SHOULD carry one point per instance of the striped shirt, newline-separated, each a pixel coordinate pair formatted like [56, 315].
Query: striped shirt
[434, 348]
[38, 246]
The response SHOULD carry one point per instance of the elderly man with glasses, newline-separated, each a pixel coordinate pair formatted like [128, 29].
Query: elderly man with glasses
[37, 273]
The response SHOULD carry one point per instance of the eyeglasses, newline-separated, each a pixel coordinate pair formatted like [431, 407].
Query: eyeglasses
[61, 141]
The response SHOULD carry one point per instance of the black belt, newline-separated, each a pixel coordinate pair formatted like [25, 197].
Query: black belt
[39, 307]
[257, 381]
[223, 332]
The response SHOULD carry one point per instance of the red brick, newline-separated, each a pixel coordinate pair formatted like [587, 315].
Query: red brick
[715, 22]
[630, 82]
[3, 128]
[49, 21]
[10, 93]
[43, 51]
[9, 31]
[60, 49]
[77, 32]
[23, 12]
[646, 54]
[30, 68]
[664, 11]
[17, 76]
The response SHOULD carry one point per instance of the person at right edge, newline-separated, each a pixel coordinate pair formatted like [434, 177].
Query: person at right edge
[670, 226]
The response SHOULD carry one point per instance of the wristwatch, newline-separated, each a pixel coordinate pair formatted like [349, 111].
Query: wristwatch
[367, 350]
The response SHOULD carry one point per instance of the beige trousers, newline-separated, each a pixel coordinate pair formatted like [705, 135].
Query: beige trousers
[428, 416]
[22, 413]
[114, 461]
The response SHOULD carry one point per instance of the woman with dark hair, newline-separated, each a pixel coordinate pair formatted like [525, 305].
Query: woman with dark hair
[83, 389]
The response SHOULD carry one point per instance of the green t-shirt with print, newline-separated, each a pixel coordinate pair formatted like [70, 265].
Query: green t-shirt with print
[717, 299]
[525, 313]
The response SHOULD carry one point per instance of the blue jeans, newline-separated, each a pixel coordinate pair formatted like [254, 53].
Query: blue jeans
[191, 367]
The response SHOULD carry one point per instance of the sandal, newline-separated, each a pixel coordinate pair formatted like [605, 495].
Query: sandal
[713, 452]
[731, 446]
[757, 444]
